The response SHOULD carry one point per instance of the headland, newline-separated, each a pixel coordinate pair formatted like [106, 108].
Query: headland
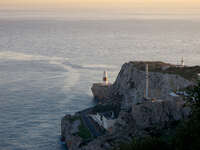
[125, 112]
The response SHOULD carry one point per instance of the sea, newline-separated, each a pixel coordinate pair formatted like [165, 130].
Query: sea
[48, 65]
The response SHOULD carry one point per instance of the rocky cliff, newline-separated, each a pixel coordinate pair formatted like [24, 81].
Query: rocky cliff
[163, 80]
[158, 114]
[137, 116]
[145, 119]
[69, 130]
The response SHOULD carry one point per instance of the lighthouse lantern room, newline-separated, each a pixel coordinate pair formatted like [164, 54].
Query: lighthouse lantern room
[105, 77]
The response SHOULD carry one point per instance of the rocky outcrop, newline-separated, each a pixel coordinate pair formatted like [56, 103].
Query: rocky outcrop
[140, 116]
[159, 114]
[144, 119]
[130, 84]
[69, 130]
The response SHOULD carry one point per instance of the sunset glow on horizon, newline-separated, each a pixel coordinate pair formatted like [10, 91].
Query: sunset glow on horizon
[107, 9]
[102, 3]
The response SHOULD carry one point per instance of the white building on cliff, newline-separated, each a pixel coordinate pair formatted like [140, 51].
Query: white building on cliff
[105, 120]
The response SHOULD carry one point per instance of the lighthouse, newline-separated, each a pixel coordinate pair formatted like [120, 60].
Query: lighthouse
[105, 78]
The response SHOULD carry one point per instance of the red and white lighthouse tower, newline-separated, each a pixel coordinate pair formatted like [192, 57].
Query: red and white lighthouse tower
[105, 77]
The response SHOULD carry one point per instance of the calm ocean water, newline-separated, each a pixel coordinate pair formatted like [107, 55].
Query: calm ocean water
[47, 67]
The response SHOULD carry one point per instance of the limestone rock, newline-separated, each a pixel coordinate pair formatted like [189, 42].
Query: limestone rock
[139, 114]
[159, 114]
[130, 83]
[69, 127]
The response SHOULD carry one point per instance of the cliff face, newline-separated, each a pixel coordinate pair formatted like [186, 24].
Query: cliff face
[147, 116]
[130, 84]
[69, 129]
[158, 114]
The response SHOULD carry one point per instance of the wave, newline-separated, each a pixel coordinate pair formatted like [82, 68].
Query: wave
[8, 55]
[72, 78]
[92, 66]
[72, 75]
[98, 66]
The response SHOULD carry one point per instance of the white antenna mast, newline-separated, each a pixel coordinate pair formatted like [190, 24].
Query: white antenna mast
[147, 82]
[182, 62]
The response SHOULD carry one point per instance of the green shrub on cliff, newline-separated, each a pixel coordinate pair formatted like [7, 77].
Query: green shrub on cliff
[84, 132]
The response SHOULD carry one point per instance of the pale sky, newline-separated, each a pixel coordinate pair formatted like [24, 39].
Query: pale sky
[102, 3]
[99, 8]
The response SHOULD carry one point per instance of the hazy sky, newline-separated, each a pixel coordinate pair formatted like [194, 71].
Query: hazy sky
[102, 3]
[99, 8]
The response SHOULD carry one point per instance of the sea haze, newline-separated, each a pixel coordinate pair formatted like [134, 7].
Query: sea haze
[47, 66]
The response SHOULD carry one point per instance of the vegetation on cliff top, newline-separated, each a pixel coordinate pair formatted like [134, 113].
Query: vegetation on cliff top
[189, 73]
[186, 137]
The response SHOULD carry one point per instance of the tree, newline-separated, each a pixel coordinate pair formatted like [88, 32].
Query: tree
[194, 96]
[188, 133]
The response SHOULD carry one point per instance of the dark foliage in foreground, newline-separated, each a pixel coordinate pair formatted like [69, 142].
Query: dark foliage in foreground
[194, 96]
[187, 134]
[148, 143]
